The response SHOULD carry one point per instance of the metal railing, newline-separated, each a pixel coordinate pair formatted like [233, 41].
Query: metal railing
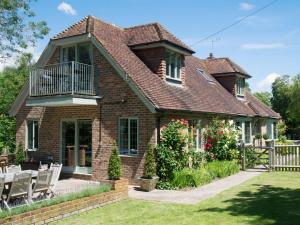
[62, 79]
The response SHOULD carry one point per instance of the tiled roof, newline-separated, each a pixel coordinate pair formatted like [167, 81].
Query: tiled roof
[223, 66]
[149, 33]
[198, 95]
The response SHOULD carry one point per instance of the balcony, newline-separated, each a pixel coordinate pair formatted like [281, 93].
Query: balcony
[68, 83]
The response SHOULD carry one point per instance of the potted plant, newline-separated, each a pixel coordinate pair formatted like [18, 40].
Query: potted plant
[267, 140]
[149, 179]
[114, 167]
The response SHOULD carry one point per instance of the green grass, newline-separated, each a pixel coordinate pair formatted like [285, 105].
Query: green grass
[63, 198]
[271, 198]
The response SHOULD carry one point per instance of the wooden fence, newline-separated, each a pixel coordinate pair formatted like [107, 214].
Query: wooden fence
[284, 158]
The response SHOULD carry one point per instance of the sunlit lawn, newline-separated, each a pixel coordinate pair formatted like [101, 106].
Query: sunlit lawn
[272, 198]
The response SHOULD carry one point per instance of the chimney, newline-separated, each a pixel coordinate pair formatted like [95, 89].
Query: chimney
[211, 56]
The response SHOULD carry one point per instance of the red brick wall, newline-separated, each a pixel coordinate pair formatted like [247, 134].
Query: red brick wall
[229, 83]
[117, 101]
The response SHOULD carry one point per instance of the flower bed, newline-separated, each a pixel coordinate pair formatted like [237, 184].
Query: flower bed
[65, 206]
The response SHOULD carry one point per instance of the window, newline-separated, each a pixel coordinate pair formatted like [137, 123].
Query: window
[128, 136]
[240, 85]
[205, 75]
[79, 53]
[240, 129]
[196, 133]
[247, 132]
[32, 135]
[173, 66]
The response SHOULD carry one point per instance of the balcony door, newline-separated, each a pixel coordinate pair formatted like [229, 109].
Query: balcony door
[76, 146]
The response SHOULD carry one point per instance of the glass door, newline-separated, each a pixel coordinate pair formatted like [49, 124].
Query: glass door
[76, 149]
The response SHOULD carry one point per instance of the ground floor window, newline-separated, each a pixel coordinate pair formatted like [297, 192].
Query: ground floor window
[128, 136]
[245, 131]
[32, 135]
[275, 130]
[195, 133]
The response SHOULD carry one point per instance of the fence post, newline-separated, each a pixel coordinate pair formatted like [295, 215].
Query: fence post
[272, 148]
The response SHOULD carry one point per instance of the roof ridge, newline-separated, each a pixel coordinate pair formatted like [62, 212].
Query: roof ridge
[141, 25]
[108, 23]
[68, 28]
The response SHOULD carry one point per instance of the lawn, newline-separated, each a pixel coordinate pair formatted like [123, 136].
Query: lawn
[271, 198]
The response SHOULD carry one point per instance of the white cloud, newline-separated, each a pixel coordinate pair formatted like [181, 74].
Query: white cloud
[266, 83]
[66, 8]
[246, 6]
[258, 46]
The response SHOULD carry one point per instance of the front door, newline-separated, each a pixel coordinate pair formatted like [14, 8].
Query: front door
[76, 146]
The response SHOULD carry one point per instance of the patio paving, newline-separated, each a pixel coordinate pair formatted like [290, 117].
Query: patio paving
[198, 194]
[70, 185]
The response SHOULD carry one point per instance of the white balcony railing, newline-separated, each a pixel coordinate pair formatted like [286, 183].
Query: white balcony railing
[69, 78]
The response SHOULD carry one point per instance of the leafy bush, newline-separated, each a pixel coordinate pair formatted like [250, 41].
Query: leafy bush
[114, 165]
[250, 157]
[220, 169]
[197, 158]
[221, 140]
[197, 177]
[170, 153]
[165, 185]
[191, 178]
[20, 154]
[150, 165]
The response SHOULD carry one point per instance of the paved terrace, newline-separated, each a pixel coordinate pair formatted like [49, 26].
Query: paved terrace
[198, 194]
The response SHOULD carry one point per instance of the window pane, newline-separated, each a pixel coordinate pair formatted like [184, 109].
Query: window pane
[84, 54]
[167, 64]
[30, 134]
[247, 132]
[123, 135]
[36, 134]
[178, 66]
[85, 143]
[71, 53]
[65, 54]
[172, 59]
[133, 136]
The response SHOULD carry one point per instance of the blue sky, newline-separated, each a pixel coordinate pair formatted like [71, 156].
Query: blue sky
[265, 45]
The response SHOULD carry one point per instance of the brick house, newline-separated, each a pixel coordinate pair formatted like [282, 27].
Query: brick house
[96, 84]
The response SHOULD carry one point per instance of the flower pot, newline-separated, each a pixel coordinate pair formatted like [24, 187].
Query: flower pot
[148, 184]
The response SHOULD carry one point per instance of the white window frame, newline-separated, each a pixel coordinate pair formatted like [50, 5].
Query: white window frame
[240, 87]
[173, 56]
[128, 139]
[76, 51]
[242, 126]
[199, 132]
[33, 134]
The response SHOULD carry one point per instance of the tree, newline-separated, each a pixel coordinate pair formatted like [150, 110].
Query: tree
[17, 30]
[281, 96]
[114, 165]
[12, 80]
[264, 97]
[294, 106]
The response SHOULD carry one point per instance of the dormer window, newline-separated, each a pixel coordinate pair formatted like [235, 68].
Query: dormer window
[80, 53]
[240, 86]
[173, 66]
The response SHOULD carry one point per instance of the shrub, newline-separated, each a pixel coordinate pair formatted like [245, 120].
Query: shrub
[220, 169]
[150, 166]
[221, 140]
[170, 153]
[20, 154]
[250, 156]
[197, 158]
[114, 165]
[165, 185]
[191, 178]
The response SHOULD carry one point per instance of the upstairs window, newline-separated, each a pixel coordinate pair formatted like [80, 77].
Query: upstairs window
[80, 53]
[173, 66]
[240, 86]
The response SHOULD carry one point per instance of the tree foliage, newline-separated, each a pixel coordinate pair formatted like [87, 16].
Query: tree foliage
[12, 80]
[294, 106]
[114, 165]
[264, 97]
[17, 28]
[150, 165]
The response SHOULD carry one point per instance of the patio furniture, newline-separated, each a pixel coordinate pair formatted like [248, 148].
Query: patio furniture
[42, 183]
[13, 169]
[19, 188]
[56, 168]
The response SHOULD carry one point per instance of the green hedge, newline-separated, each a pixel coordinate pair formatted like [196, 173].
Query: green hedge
[197, 177]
